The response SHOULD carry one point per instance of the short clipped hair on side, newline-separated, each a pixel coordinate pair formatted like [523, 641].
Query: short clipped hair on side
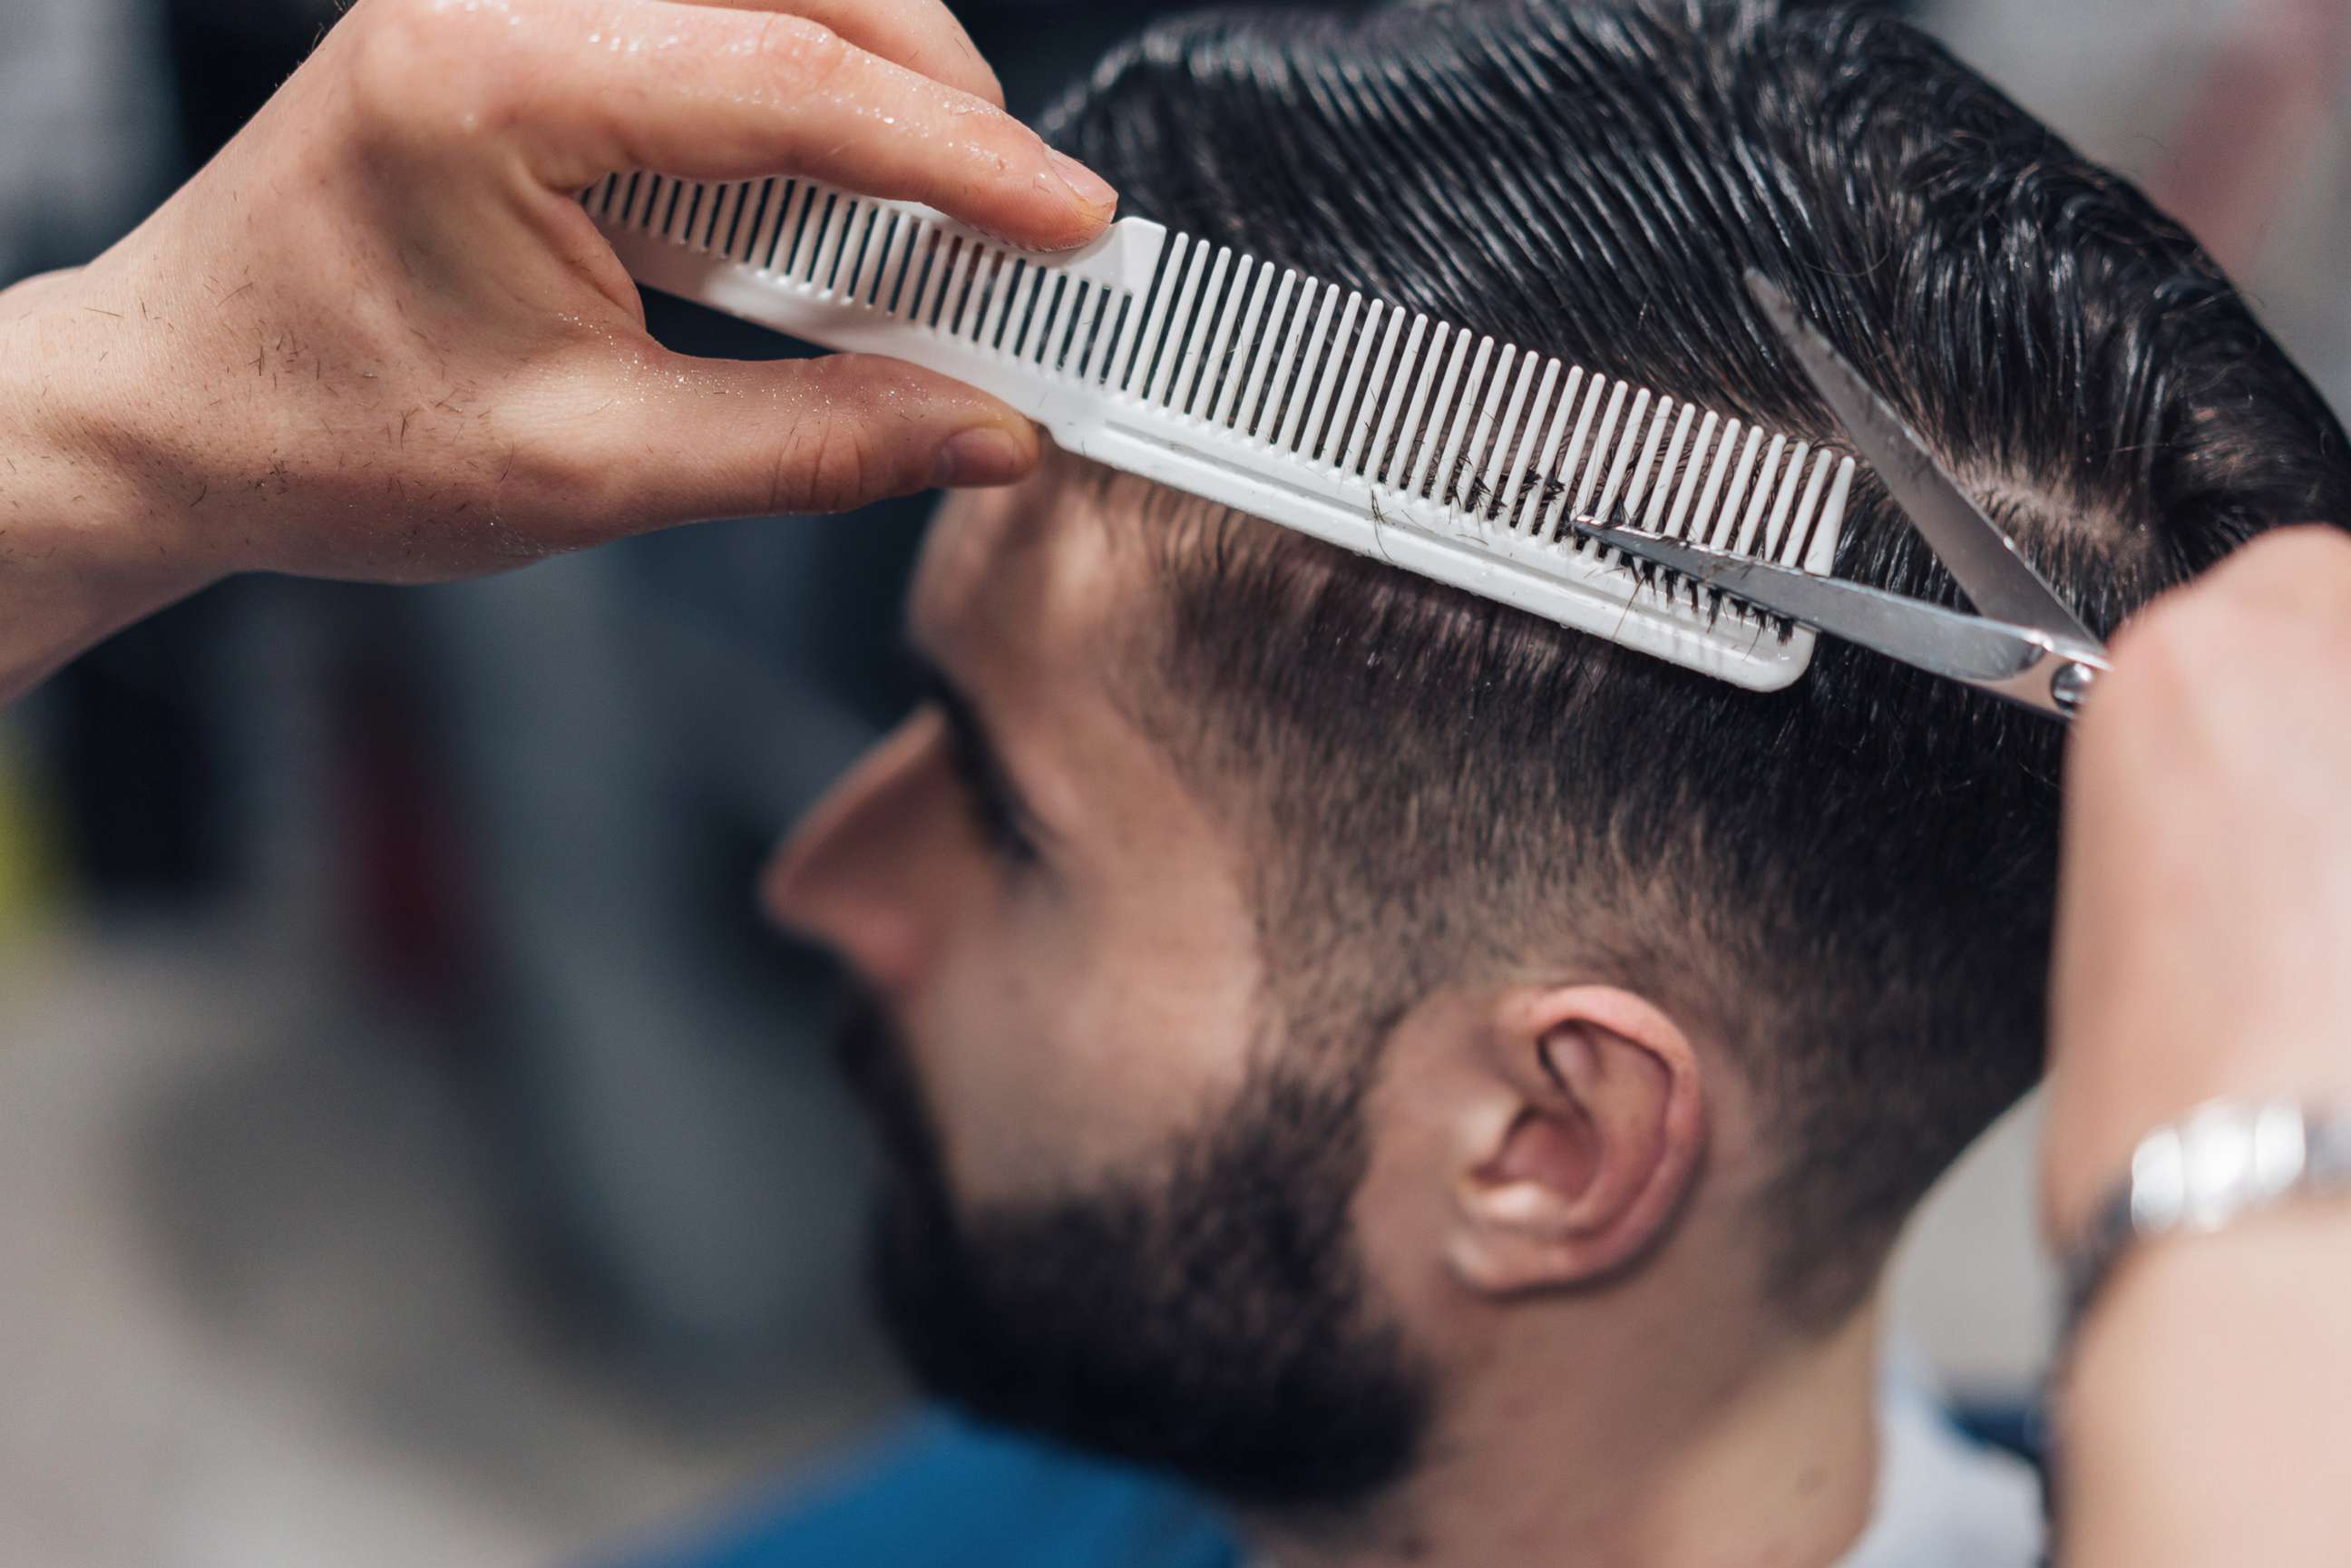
[1849, 883]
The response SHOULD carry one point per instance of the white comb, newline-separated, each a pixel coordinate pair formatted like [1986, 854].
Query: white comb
[1294, 400]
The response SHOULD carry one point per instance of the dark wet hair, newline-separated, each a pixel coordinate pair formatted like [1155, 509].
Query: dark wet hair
[1851, 882]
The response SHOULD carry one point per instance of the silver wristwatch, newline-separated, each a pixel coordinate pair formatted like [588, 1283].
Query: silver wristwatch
[2224, 1159]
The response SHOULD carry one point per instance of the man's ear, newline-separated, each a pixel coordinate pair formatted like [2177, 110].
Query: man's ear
[1596, 1121]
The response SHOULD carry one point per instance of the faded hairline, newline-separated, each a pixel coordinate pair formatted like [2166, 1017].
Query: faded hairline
[1205, 567]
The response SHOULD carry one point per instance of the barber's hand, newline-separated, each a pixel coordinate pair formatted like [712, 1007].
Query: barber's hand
[2204, 950]
[378, 338]
[2204, 924]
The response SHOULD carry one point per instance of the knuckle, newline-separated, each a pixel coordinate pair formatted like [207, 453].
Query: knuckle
[2200, 671]
[2288, 587]
[2161, 647]
[556, 473]
[831, 465]
[2303, 571]
[415, 67]
[2163, 664]
[560, 481]
[799, 54]
[2304, 547]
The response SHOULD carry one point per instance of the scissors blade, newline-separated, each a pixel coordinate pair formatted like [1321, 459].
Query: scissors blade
[1998, 582]
[1951, 643]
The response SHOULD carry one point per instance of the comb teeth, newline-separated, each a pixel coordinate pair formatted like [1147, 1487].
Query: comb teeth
[1354, 420]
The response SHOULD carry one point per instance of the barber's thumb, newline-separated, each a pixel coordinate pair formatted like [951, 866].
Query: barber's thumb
[728, 438]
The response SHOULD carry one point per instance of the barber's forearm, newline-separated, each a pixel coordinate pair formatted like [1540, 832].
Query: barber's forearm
[83, 550]
[2207, 1419]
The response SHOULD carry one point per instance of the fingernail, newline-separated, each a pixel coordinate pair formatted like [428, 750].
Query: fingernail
[1090, 188]
[981, 456]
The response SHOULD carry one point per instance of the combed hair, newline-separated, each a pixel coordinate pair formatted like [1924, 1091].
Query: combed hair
[1849, 883]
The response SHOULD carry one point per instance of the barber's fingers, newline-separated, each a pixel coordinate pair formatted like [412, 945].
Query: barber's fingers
[718, 93]
[2288, 582]
[702, 438]
[920, 34]
[2265, 633]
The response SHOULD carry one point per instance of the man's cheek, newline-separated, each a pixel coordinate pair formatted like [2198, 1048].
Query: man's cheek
[986, 1050]
[1075, 1031]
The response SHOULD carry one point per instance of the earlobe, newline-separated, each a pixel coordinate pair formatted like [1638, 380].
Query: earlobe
[1596, 1148]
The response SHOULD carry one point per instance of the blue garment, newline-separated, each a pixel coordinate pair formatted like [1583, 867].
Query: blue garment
[941, 1492]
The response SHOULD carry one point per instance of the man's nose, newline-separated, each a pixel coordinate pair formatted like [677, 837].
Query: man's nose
[847, 878]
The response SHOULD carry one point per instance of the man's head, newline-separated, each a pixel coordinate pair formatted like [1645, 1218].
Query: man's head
[1308, 989]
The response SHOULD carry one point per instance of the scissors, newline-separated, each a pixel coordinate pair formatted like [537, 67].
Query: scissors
[2025, 644]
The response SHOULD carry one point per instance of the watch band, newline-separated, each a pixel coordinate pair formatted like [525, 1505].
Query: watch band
[2224, 1159]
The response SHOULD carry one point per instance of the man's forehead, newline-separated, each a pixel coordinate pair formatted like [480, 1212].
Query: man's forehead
[1031, 573]
[1032, 604]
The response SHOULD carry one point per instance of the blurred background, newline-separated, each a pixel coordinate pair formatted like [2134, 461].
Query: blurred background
[416, 1150]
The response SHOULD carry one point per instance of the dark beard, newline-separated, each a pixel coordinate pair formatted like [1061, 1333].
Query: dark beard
[1213, 1323]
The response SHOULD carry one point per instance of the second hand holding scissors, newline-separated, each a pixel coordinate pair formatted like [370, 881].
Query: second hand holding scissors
[2026, 644]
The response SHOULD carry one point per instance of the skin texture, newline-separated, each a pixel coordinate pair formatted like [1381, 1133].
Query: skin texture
[377, 338]
[2204, 915]
[1555, 1200]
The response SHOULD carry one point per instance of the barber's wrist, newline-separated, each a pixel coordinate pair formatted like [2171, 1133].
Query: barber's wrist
[2112, 1086]
[74, 468]
[2198, 1418]
[85, 544]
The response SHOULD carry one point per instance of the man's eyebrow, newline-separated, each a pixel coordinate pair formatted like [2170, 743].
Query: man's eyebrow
[976, 752]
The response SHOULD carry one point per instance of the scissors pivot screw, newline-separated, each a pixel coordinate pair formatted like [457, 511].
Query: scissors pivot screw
[2071, 685]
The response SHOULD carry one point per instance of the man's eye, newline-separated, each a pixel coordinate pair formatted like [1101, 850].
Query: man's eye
[999, 824]
[992, 810]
